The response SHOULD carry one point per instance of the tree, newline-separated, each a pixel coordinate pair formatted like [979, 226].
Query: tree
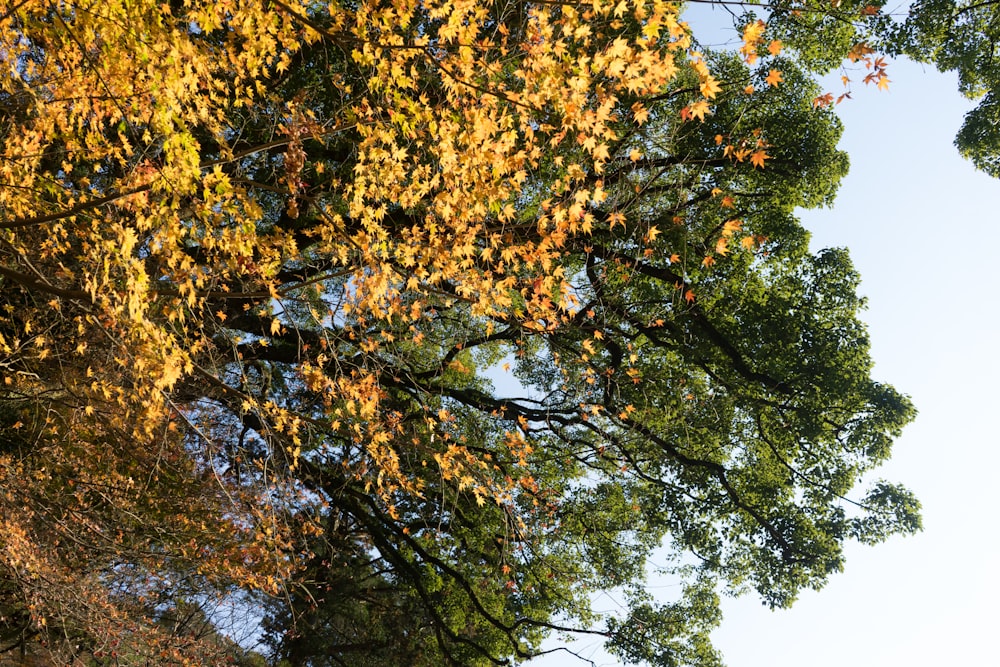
[259, 266]
[959, 37]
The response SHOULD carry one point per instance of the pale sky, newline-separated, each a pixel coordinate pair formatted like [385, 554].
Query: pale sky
[923, 228]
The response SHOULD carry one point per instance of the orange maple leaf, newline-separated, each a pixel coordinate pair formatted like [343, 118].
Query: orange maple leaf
[757, 158]
[731, 227]
[823, 100]
[774, 78]
[859, 51]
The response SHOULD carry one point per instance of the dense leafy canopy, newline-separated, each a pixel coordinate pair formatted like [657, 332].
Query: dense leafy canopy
[266, 269]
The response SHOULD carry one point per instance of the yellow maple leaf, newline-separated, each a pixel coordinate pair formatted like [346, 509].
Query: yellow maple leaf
[753, 32]
[699, 109]
[639, 113]
[710, 87]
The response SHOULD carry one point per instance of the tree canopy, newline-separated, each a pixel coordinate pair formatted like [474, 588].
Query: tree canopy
[408, 326]
[959, 37]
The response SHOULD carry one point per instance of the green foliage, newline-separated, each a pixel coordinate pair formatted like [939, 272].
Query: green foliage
[732, 426]
[669, 635]
[960, 37]
[344, 262]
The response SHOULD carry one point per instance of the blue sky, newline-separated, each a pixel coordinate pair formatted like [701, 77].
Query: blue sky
[923, 228]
